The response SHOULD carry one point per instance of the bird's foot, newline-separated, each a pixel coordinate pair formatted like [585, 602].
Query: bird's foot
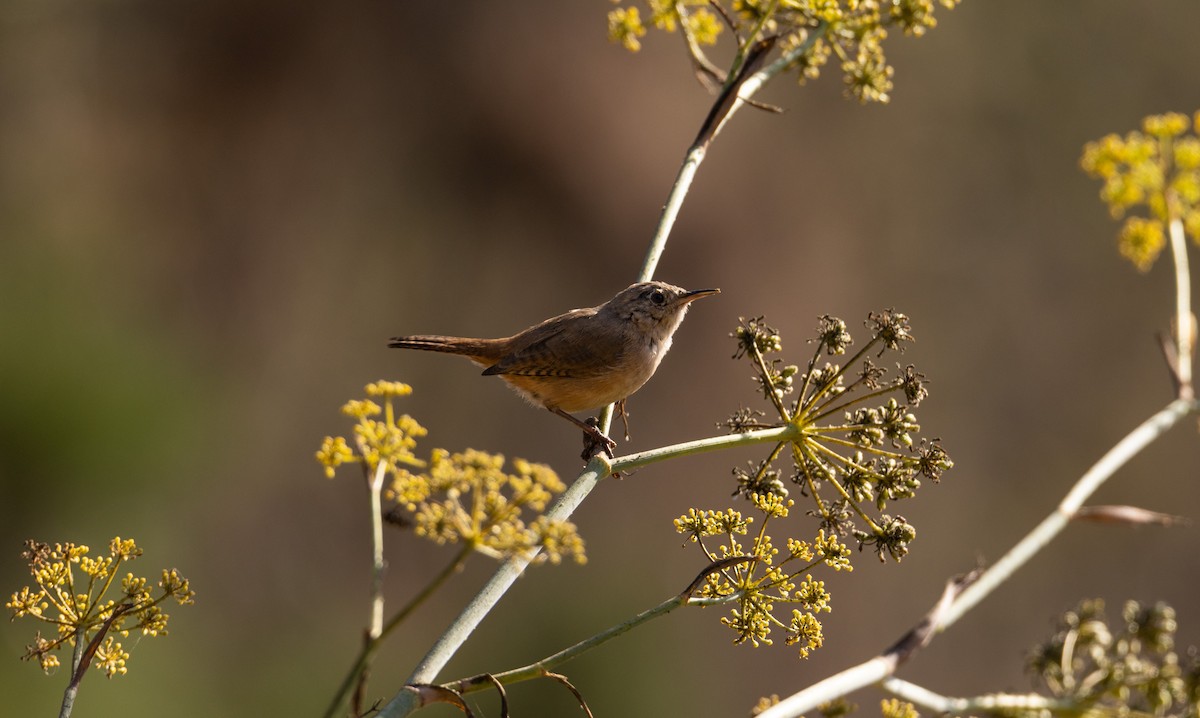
[595, 441]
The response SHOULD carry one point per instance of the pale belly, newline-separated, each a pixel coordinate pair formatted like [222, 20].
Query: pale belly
[579, 394]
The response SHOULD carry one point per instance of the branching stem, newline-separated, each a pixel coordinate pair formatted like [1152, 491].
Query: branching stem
[371, 645]
[882, 666]
[448, 644]
[841, 490]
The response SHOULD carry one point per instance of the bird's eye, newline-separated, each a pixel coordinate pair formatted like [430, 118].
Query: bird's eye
[658, 297]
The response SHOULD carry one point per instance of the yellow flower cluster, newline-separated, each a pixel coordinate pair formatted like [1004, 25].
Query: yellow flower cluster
[853, 30]
[699, 22]
[390, 439]
[70, 590]
[1159, 168]
[759, 582]
[896, 708]
[467, 498]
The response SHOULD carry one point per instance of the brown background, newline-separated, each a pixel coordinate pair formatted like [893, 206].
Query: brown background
[213, 214]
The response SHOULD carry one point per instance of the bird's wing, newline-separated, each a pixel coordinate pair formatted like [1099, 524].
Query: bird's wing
[563, 346]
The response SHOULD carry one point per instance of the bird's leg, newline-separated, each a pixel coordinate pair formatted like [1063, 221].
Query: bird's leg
[624, 414]
[604, 443]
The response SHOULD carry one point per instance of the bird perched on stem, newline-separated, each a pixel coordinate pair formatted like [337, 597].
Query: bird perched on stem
[584, 359]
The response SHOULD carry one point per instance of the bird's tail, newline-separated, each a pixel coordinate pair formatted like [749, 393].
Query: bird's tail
[481, 351]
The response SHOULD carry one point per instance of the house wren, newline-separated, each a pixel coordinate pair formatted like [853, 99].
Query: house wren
[584, 359]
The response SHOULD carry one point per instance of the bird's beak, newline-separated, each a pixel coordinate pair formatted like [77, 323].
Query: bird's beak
[697, 294]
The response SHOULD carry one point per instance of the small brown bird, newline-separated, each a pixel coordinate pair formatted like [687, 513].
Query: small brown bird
[584, 359]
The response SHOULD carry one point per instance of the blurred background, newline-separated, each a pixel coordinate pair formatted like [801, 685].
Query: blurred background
[213, 215]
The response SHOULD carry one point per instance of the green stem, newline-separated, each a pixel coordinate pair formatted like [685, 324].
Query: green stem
[828, 408]
[841, 490]
[812, 400]
[758, 436]
[762, 469]
[826, 438]
[812, 365]
[55, 596]
[798, 459]
[768, 385]
[112, 574]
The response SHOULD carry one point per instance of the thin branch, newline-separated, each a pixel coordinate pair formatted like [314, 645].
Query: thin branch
[1185, 322]
[695, 154]
[428, 695]
[755, 82]
[1116, 457]
[503, 696]
[995, 703]
[541, 668]
[921, 634]
[752, 57]
[575, 691]
[699, 446]
[768, 386]
[1166, 344]
[378, 569]
[707, 73]
[371, 646]
[378, 564]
